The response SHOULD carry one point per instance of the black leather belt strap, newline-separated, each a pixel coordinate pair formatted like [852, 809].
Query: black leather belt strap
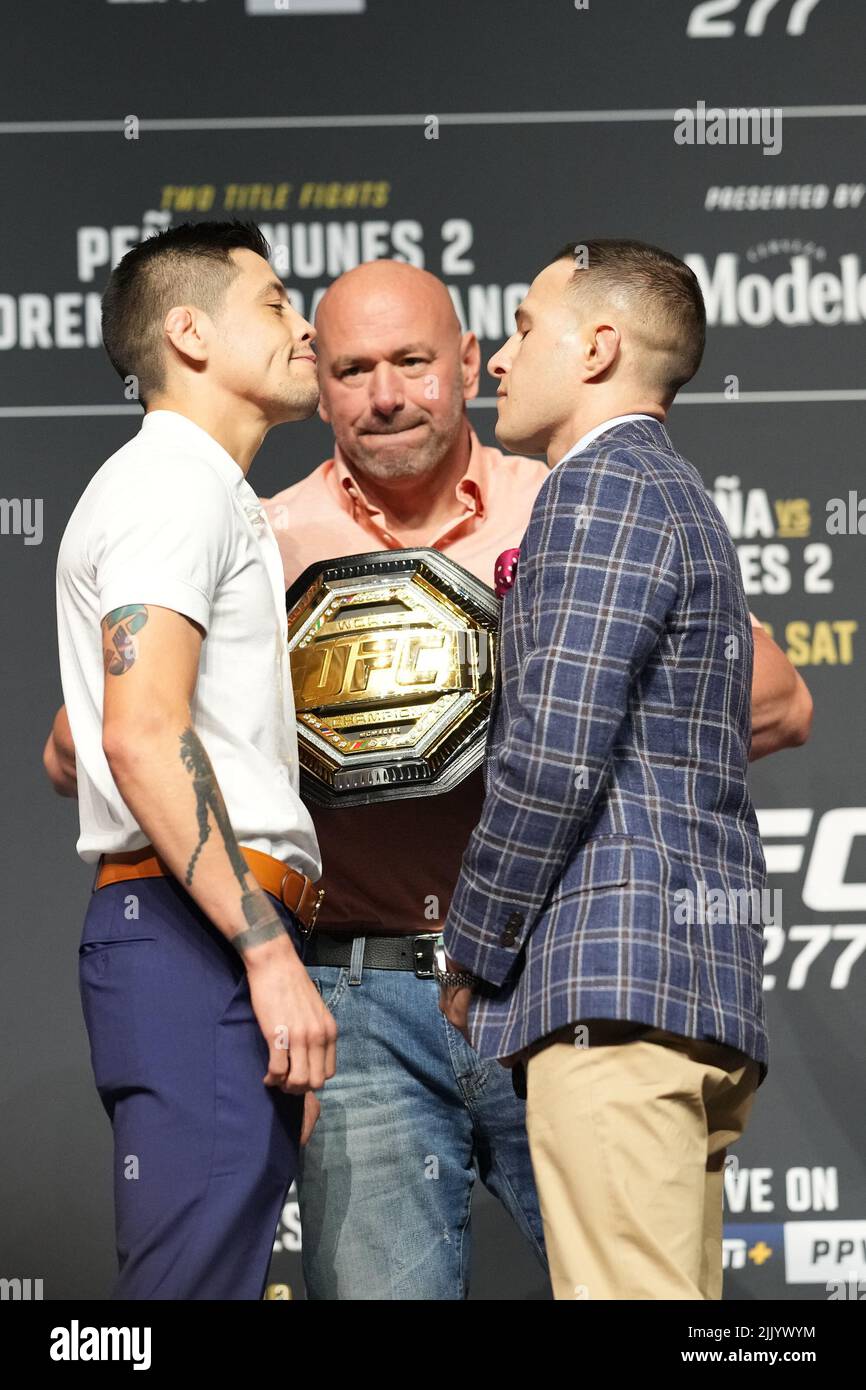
[380, 952]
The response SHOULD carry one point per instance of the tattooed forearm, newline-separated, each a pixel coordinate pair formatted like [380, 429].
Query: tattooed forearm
[264, 924]
[119, 627]
[208, 797]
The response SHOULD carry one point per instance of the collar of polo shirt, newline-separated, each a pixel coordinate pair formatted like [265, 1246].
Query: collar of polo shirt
[171, 425]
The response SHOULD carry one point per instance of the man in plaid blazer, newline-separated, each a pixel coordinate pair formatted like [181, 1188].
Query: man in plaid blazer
[606, 930]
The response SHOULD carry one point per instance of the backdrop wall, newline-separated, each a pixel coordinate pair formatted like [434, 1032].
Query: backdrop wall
[474, 140]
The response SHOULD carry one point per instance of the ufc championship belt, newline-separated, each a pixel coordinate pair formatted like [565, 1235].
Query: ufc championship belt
[393, 662]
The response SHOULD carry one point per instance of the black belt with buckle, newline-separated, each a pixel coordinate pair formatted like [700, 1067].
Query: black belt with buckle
[380, 952]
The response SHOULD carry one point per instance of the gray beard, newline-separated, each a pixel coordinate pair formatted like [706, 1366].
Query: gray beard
[408, 463]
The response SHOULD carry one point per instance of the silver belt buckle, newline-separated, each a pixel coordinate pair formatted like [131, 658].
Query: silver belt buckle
[434, 938]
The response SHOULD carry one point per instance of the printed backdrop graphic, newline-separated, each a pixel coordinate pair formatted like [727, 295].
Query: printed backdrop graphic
[473, 140]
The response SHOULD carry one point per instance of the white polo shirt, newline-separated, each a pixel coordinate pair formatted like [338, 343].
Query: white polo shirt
[171, 520]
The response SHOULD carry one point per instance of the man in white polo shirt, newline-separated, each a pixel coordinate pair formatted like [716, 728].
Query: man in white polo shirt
[206, 1033]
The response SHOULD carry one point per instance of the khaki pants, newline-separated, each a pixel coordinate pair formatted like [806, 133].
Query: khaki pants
[628, 1135]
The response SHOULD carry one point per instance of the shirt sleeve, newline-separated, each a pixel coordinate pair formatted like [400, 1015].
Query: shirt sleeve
[161, 535]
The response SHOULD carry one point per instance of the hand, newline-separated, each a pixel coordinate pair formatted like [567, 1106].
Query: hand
[312, 1110]
[300, 1031]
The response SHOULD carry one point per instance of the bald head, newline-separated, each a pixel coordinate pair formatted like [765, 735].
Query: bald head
[395, 369]
[382, 292]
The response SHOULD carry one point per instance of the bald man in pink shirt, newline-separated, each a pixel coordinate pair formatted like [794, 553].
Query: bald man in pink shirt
[412, 1113]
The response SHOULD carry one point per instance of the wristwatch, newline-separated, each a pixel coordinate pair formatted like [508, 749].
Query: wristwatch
[450, 979]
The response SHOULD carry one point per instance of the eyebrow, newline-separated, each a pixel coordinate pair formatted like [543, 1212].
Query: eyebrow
[272, 287]
[406, 350]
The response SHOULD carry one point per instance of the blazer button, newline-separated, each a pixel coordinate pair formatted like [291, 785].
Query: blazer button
[509, 934]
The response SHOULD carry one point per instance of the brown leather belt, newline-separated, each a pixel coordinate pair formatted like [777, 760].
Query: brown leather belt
[294, 890]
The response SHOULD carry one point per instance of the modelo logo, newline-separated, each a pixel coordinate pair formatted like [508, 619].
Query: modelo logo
[795, 298]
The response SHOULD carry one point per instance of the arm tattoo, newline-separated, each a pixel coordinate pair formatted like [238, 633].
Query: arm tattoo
[264, 923]
[126, 622]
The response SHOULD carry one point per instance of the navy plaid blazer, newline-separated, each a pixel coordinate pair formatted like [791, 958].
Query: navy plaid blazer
[616, 767]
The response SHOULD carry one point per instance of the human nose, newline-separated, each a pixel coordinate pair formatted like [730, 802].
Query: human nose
[499, 364]
[386, 393]
[302, 331]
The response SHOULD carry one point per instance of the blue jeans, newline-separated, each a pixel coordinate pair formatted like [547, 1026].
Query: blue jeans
[386, 1181]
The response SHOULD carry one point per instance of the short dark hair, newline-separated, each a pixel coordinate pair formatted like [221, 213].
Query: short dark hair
[187, 264]
[664, 287]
